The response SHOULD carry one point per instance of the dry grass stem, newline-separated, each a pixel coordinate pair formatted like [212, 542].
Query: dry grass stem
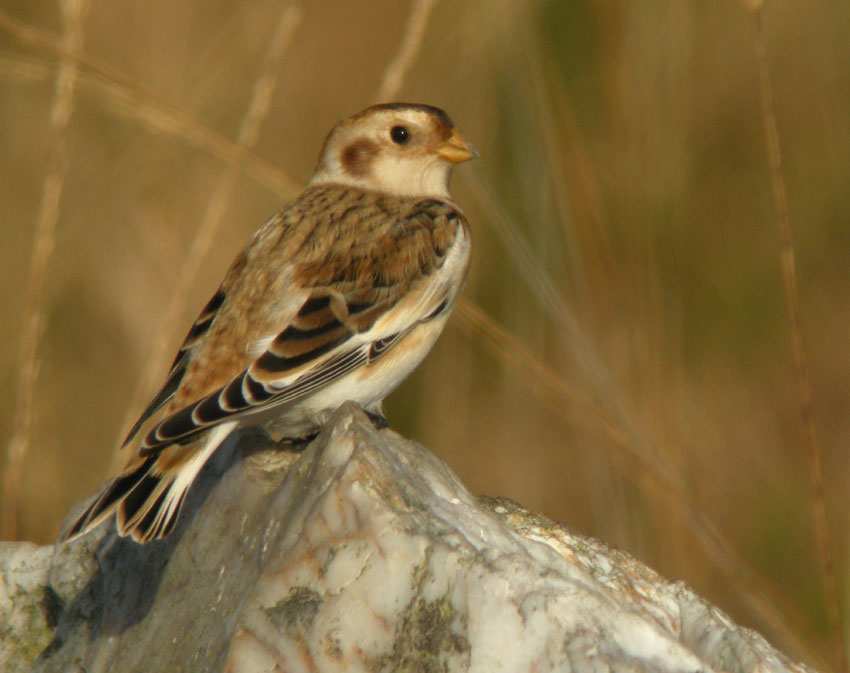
[45, 227]
[136, 102]
[248, 134]
[804, 389]
[552, 145]
[157, 115]
[264, 86]
[24, 69]
[408, 48]
[565, 400]
[534, 275]
[578, 194]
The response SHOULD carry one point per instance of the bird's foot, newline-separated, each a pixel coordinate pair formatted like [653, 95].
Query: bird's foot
[297, 443]
[379, 421]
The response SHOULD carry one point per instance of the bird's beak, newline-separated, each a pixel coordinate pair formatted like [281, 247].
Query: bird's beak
[456, 149]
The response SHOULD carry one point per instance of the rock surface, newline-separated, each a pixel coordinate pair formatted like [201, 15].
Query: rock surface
[361, 553]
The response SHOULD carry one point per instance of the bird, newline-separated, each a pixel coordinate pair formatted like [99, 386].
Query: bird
[337, 297]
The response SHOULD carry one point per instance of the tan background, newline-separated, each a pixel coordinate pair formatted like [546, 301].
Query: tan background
[641, 387]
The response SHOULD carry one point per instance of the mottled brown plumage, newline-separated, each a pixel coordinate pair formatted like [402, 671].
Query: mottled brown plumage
[338, 296]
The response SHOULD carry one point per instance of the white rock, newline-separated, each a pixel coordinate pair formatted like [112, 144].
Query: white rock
[365, 553]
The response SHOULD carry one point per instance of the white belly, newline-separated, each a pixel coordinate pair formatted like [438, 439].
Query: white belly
[367, 385]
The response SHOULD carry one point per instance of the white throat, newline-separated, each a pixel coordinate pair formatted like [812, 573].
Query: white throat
[393, 176]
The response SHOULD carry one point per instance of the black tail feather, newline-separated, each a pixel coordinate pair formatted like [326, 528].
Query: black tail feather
[155, 524]
[137, 498]
[108, 500]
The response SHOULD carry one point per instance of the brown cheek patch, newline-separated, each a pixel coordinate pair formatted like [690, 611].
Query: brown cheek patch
[357, 157]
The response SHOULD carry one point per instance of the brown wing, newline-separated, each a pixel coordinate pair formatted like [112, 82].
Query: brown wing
[364, 266]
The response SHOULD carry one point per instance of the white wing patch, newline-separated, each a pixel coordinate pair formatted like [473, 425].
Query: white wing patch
[256, 348]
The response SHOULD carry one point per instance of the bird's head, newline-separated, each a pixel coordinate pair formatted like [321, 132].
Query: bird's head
[398, 148]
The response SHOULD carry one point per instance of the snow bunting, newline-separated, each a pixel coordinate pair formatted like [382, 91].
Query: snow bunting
[337, 297]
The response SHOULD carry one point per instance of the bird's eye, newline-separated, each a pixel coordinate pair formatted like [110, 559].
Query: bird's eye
[399, 135]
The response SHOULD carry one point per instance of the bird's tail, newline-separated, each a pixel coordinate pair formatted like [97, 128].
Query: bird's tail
[148, 496]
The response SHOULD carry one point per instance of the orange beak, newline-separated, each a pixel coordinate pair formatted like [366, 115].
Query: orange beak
[456, 149]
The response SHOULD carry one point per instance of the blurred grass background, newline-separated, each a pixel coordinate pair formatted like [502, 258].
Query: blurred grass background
[636, 380]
